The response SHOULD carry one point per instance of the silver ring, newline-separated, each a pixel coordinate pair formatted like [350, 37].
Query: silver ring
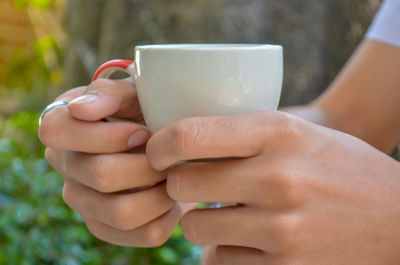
[50, 107]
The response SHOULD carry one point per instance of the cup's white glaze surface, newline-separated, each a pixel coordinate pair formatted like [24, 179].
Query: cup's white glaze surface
[184, 80]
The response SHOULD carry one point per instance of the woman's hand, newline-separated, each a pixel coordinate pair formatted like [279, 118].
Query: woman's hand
[108, 179]
[304, 194]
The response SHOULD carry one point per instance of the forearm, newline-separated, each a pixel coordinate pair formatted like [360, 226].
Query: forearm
[313, 114]
[364, 98]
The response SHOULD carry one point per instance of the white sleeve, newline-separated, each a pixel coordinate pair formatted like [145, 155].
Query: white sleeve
[386, 25]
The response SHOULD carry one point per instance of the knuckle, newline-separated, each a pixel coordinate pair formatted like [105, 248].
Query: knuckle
[97, 230]
[285, 126]
[286, 187]
[292, 130]
[222, 255]
[67, 195]
[263, 179]
[47, 130]
[94, 229]
[58, 160]
[101, 85]
[100, 174]
[157, 235]
[290, 187]
[122, 216]
[49, 154]
[174, 182]
[289, 236]
[185, 134]
[190, 226]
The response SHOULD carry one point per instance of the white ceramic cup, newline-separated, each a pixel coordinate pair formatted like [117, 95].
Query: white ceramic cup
[175, 81]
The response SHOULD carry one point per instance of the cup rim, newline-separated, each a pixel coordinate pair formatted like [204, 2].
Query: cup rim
[207, 46]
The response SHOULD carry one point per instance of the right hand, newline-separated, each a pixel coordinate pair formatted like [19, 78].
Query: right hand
[105, 168]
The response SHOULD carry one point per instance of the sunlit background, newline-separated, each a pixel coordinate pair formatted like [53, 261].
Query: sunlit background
[49, 46]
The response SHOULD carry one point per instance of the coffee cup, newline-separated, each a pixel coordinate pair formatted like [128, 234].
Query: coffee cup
[176, 81]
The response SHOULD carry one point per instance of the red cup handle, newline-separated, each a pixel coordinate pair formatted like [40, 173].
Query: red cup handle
[106, 69]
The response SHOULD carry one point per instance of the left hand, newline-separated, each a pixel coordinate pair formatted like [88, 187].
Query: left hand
[304, 194]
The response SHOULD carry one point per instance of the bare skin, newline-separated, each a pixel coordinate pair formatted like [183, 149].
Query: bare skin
[363, 101]
[307, 194]
[102, 168]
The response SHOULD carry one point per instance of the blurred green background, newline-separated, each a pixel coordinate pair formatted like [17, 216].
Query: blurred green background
[49, 46]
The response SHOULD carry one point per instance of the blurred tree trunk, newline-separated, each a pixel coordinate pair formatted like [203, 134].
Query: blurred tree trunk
[318, 36]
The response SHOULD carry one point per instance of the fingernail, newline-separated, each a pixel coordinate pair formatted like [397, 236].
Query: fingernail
[85, 99]
[138, 138]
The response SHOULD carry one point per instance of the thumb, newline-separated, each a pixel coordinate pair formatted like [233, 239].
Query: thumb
[105, 98]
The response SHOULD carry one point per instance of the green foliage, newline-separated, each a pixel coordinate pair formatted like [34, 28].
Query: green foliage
[36, 227]
[29, 75]
[25, 76]
[41, 4]
[27, 62]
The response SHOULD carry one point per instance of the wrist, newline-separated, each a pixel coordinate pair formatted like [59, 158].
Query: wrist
[315, 114]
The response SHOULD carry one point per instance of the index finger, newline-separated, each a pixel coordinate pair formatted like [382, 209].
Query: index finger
[107, 98]
[214, 137]
[62, 128]
[71, 94]
[59, 130]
